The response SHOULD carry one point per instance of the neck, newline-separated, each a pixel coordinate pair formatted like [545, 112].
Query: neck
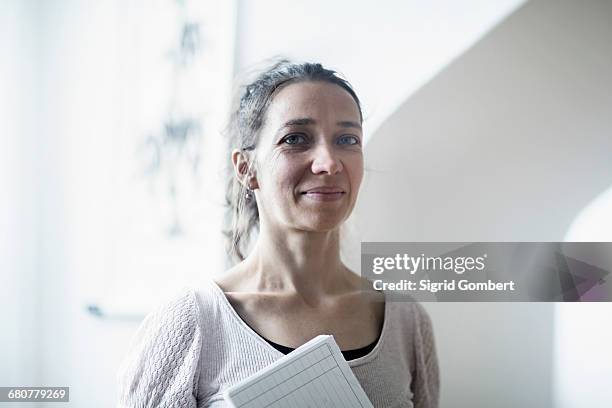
[298, 261]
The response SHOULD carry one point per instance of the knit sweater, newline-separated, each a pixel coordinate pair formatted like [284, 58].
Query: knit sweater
[189, 350]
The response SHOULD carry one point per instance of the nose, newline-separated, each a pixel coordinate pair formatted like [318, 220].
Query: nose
[326, 160]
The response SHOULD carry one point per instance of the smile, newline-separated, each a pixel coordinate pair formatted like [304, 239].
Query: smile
[323, 195]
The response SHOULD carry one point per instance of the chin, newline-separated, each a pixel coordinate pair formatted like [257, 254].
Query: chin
[322, 224]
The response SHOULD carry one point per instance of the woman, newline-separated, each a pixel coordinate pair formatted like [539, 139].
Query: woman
[298, 164]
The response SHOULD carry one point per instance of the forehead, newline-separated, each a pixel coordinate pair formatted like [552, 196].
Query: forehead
[314, 99]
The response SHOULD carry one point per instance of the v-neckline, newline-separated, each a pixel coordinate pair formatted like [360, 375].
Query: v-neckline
[244, 326]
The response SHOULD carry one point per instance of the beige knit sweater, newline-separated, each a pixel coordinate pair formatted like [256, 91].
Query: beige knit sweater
[189, 350]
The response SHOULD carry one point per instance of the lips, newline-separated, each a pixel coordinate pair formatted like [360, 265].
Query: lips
[324, 193]
[324, 190]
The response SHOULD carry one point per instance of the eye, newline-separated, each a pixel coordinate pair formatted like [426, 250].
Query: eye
[294, 139]
[348, 140]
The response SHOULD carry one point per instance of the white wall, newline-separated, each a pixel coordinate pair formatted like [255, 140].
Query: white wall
[62, 88]
[19, 208]
[583, 356]
[104, 70]
[583, 368]
[78, 46]
[387, 49]
[507, 143]
[510, 141]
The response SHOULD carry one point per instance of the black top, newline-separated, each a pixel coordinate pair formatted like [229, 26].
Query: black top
[348, 354]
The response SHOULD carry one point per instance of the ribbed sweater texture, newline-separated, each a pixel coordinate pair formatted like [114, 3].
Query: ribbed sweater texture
[190, 349]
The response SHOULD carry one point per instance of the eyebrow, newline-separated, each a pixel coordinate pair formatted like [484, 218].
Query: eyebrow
[311, 121]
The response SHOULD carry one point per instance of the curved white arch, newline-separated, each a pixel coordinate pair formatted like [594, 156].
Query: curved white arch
[594, 222]
[582, 375]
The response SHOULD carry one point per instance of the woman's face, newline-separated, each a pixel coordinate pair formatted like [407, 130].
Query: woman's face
[309, 160]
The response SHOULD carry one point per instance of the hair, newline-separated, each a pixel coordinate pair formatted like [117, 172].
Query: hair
[247, 117]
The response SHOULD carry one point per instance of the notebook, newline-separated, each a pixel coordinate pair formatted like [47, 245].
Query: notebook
[313, 375]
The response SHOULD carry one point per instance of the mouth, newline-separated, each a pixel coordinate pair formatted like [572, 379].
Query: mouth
[324, 193]
[324, 190]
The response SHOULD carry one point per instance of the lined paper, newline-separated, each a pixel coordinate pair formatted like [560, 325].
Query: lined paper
[313, 375]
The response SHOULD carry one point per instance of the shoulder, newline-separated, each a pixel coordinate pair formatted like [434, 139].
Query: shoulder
[424, 334]
[163, 358]
[411, 317]
[172, 322]
[419, 313]
[177, 314]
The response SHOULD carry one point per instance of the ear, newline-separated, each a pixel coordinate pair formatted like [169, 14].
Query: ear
[244, 170]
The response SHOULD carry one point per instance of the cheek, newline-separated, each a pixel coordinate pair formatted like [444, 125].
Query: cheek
[281, 172]
[355, 168]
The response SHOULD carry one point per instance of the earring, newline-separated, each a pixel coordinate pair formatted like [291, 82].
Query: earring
[248, 196]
